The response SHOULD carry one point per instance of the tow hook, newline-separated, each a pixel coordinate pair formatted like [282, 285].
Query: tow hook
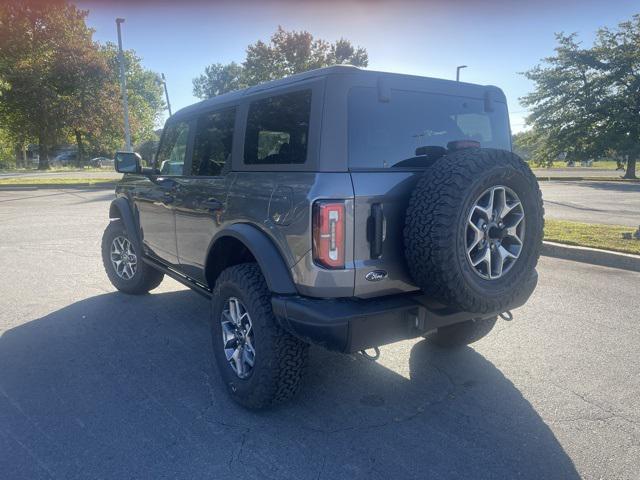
[368, 356]
[506, 316]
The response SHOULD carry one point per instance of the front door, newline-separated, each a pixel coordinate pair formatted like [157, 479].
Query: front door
[156, 203]
[201, 201]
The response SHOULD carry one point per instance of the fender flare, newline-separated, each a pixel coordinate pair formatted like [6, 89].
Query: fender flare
[270, 261]
[121, 205]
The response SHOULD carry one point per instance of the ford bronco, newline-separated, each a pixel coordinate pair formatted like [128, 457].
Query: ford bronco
[339, 207]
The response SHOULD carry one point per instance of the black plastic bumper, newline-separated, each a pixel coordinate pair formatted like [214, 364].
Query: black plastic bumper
[350, 325]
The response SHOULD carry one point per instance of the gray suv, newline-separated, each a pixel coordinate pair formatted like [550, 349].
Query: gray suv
[338, 207]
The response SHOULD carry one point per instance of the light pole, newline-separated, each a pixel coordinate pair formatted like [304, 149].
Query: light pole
[458, 68]
[166, 92]
[123, 87]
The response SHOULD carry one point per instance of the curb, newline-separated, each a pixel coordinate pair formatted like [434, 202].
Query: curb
[586, 179]
[593, 256]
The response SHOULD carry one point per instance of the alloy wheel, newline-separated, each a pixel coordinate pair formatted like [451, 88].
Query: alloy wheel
[123, 258]
[237, 337]
[495, 232]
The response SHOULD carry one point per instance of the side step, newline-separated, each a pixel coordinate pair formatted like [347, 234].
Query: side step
[187, 281]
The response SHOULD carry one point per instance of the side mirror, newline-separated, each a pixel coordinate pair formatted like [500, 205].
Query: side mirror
[128, 162]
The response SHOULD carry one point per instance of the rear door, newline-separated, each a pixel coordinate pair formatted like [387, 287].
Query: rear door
[201, 199]
[155, 203]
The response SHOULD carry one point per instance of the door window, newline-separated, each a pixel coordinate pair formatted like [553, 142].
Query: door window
[213, 142]
[278, 129]
[173, 149]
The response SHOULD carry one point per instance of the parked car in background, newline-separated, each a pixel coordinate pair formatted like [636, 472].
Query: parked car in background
[101, 162]
[65, 159]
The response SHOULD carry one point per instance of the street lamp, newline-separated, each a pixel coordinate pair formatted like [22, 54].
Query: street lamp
[458, 68]
[166, 92]
[123, 87]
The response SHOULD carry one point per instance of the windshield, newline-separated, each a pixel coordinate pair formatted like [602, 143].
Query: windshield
[383, 134]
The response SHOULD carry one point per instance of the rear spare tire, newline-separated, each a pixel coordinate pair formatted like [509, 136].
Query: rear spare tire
[474, 228]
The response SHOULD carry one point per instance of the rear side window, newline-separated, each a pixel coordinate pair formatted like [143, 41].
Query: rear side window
[170, 159]
[212, 143]
[394, 133]
[278, 129]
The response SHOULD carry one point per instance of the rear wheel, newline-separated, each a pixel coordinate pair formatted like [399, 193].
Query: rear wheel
[461, 334]
[260, 364]
[122, 262]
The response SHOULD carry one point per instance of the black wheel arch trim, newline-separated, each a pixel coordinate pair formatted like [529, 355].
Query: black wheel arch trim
[121, 204]
[270, 261]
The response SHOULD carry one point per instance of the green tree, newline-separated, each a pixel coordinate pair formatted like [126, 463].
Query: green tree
[586, 101]
[617, 55]
[43, 55]
[285, 54]
[566, 104]
[218, 79]
[7, 151]
[146, 103]
[57, 84]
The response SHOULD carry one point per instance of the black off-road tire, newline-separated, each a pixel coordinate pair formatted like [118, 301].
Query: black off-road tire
[280, 358]
[436, 222]
[461, 334]
[146, 277]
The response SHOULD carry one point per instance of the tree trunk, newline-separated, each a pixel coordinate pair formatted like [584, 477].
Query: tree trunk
[43, 153]
[80, 157]
[631, 167]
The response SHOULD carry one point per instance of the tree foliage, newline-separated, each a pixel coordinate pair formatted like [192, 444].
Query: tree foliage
[286, 53]
[586, 101]
[57, 84]
[145, 97]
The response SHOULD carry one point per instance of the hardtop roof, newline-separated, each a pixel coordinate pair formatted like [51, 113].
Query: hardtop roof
[235, 95]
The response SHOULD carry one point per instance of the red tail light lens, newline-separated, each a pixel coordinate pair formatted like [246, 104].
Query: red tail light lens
[328, 234]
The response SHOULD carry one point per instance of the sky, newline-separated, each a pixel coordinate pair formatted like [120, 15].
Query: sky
[496, 39]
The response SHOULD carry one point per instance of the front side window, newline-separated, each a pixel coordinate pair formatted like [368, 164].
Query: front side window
[213, 142]
[394, 133]
[172, 152]
[278, 129]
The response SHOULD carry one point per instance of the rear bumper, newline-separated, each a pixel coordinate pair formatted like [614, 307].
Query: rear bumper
[350, 325]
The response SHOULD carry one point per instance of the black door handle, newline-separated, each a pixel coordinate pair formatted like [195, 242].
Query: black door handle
[212, 204]
[376, 230]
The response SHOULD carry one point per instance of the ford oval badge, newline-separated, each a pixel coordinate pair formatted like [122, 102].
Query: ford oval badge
[376, 275]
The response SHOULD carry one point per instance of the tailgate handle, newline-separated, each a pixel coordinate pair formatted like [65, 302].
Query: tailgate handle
[376, 230]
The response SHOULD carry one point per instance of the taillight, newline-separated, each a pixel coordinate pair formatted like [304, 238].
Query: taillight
[328, 233]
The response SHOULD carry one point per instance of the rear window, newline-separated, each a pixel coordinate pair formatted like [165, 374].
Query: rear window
[278, 129]
[393, 133]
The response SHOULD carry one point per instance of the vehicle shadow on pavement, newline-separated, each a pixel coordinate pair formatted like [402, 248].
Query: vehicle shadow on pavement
[613, 186]
[116, 386]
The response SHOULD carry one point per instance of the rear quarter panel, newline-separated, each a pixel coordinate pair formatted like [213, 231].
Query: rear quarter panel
[280, 204]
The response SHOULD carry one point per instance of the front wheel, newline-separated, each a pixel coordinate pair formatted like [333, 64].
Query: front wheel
[260, 364]
[123, 263]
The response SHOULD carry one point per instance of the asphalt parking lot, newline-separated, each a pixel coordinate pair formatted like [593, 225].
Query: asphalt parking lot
[97, 384]
[613, 203]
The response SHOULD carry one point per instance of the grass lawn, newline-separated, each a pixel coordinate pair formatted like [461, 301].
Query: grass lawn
[606, 237]
[54, 181]
[55, 169]
[597, 165]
